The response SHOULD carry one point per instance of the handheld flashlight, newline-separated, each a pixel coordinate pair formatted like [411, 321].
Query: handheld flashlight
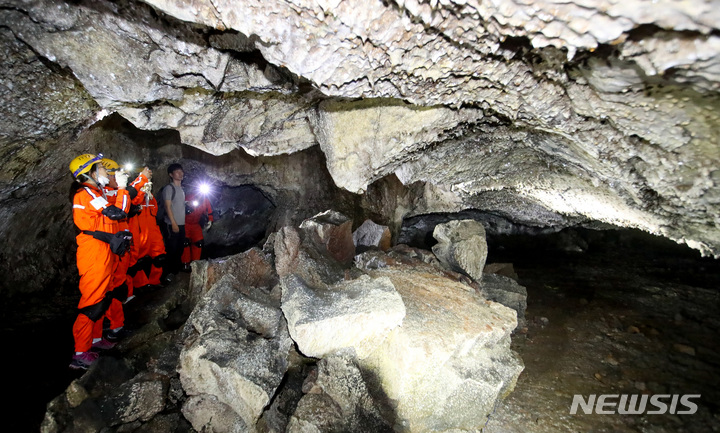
[204, 188]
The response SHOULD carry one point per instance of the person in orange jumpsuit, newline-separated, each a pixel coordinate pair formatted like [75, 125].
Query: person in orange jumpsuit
[148, 243]
[141, 184]
[194, 222]
[100, 243]
[121, 286]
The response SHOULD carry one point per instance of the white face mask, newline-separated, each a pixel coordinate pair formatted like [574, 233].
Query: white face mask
[102, 180]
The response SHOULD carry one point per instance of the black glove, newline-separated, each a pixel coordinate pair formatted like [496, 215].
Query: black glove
[114, 213]
[120, 242]
[135, 210]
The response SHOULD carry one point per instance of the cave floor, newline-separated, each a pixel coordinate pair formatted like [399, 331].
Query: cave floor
[622, 317]
[615, 321]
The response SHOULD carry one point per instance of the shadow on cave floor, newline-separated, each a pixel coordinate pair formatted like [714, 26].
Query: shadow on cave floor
[619, 312]
[38, 341]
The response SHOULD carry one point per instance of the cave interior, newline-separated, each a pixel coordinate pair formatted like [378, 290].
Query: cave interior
[583, 138]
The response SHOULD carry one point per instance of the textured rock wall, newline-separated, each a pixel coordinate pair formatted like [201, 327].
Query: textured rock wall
[552, 114]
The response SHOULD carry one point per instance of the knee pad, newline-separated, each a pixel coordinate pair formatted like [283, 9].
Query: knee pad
[133, 270]
[186, 242]
[120, 292]
[95, 312]
[143, 264]
[200, 243]
[159, 261]
[137, 267]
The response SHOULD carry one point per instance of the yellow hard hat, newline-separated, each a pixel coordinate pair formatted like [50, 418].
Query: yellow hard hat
[110, 165]
[83, 163]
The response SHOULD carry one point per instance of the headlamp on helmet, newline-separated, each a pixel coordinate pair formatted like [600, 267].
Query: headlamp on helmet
[110, 165]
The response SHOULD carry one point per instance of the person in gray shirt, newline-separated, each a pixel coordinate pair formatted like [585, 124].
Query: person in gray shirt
[173, 198]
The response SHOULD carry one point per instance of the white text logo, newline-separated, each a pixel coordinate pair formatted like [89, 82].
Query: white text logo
[624, 404]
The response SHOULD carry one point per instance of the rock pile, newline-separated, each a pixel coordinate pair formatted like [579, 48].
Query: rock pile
[298, 337]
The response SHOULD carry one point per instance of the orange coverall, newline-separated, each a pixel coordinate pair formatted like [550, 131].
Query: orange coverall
[148, 240]
[95, 262]
[193, 231]
[116, 313]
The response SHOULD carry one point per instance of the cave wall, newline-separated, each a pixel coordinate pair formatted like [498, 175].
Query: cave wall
[548, 115]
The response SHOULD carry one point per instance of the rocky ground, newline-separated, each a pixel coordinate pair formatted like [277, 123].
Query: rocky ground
[610, 314]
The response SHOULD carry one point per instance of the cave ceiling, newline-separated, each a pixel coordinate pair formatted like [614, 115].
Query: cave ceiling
[550, 112]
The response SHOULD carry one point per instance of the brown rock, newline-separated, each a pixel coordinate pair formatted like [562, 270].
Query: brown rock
[331, 232]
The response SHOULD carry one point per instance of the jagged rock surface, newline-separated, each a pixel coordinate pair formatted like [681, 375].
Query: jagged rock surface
[236, 354]
[338, 398]
[330, 233]
[444, 381]
[404, 345]
[604, 111]
[319, 253]
[436, 380]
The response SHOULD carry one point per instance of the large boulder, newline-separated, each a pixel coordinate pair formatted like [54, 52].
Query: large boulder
[450, 362]
[462, 247]
[444, 367]
[331, 233]
[355, 314]
[320, 252]
[252, 268]
[236, 350]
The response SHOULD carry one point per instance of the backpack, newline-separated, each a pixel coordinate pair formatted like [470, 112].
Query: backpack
[160, 217]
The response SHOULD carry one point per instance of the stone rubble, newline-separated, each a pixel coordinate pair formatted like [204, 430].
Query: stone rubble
[371, 235]
[398, 344]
